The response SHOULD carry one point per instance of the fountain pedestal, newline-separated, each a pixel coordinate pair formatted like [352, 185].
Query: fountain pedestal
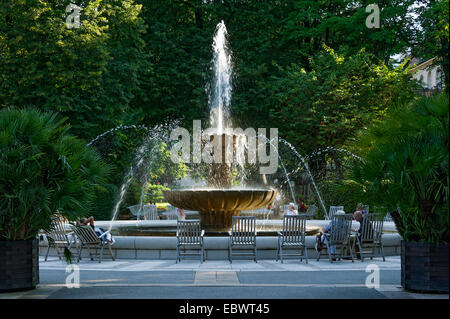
[217, 221]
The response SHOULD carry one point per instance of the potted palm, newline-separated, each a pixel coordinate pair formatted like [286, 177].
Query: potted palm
[405, 167]
[43, 170]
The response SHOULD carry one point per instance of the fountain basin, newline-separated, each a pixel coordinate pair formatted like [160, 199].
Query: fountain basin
[216, 207]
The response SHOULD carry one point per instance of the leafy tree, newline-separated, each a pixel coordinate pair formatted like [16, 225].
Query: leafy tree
[178, 46]
[160, 168]
[342, 25]
[89, 74]
[339, 96]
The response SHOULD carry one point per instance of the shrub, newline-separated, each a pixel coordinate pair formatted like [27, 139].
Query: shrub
[342, 192]
[405, 168]
[43, 170]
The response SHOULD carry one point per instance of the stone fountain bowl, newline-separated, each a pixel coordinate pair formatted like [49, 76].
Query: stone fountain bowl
[216, 207]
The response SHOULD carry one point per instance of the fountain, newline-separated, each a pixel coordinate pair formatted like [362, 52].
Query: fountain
[216, 205]
[219, 200]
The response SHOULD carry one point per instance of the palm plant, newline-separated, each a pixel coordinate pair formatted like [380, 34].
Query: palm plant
[43, 170]
[405, 167]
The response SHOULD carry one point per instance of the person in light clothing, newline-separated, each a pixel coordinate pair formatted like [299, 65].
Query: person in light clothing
[291, 211]
[323, 239]
[99, 231]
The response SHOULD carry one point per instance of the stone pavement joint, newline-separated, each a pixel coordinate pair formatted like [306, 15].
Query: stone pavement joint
[216, 278]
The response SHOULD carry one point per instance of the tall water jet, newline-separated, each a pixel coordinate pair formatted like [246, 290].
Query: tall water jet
[220, 93]
[219, 108]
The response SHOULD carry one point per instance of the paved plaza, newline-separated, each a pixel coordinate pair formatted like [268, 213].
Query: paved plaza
[243, 279]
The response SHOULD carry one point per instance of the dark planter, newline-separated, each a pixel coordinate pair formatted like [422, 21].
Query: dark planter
[19, 265]
[425, 267]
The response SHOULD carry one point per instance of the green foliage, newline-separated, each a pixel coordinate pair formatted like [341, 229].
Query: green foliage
[346, 192]
[89, 74]
[161, 169]
[155, 193]
[405, 167]
[103, 203]
[43, 170]
[340, 95]
[342, 23]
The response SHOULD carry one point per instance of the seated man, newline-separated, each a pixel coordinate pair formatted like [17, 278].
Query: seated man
[323, 239]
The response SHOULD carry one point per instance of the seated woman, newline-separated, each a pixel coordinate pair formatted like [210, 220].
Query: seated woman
[291, 211]
[365, 225]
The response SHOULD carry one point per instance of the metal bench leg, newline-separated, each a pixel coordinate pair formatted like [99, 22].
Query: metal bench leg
[176, 257]
[48, 249]
[90, 254]
[281, 253]
[204, 252]
[278, 250]
[374, 250]
[351, 253]
[360, 250]
[101, 253]
[201, 255]
[382, 251]
[110, 251]
[305, 252]
[79, 252]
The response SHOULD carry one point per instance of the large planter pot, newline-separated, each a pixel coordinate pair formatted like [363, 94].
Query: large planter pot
[424, 267]
[19, 265]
